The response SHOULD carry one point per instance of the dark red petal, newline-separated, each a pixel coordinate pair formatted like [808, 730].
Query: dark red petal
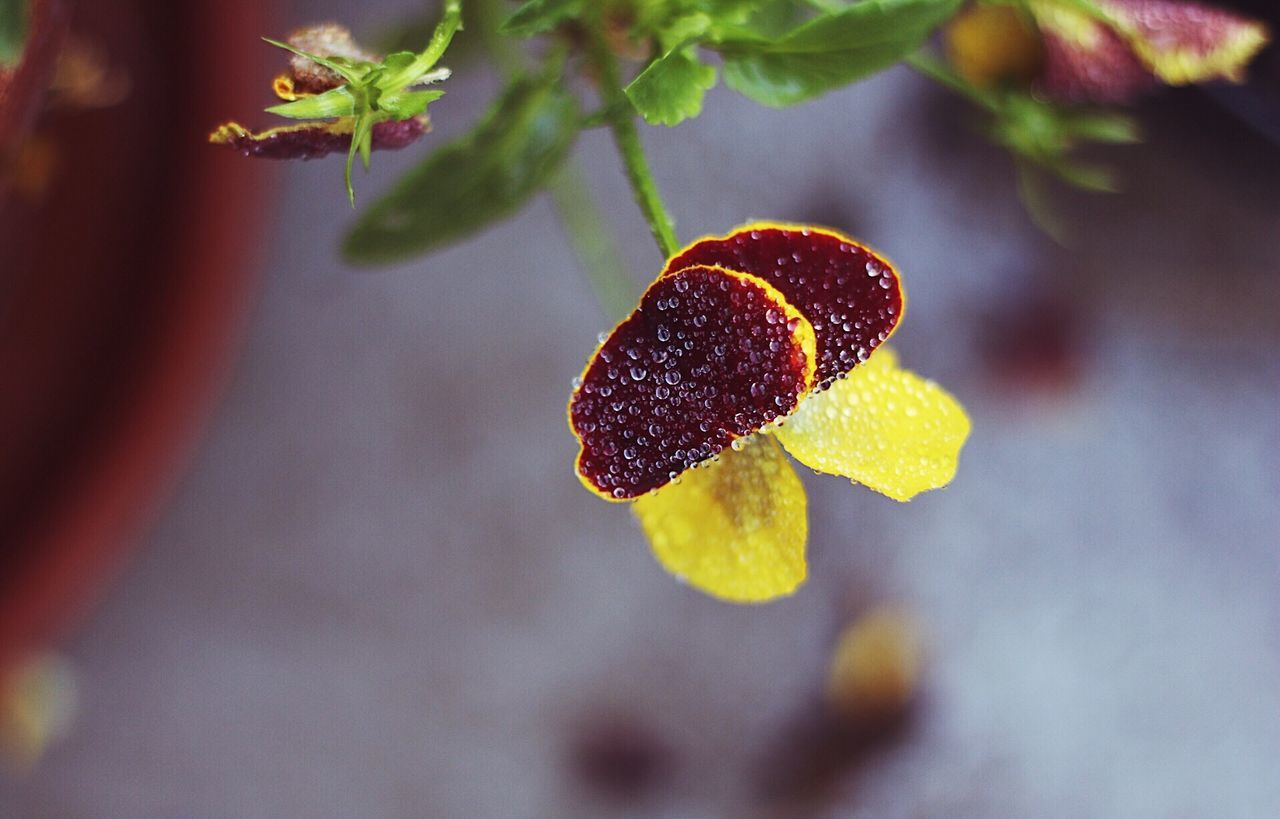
[394, 135]
[849, 294]
[709, 356]
[313, 140]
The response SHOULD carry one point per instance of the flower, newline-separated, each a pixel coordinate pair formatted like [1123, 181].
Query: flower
[304, 79]
[767, 338]
[1110, 54]
[356, 101]
[1135, 44]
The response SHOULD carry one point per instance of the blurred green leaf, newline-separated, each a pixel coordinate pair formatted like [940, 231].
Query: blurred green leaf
[670, 90]
[13, 30]
[1084, 175]
[769, 18]
[539, 16]
[1038, 202]
[829, 51]
[476, 180]
[1047, 135]
[684, 30]
[1102, 127]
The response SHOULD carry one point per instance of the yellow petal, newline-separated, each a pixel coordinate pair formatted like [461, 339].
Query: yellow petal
[1069, 23]
[880, 426]
[734, 528]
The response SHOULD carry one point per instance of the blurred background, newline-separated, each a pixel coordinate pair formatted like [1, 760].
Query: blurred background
[362, 579]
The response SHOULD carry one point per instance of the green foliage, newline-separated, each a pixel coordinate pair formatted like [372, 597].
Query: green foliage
[776, 52]
[540, 16]
[670, 90]
[13, 30]
[772, 55]
[1046, 135]
[375, 92]
[1040, 134]
[468, 184]
[828, 51]
[769, 19]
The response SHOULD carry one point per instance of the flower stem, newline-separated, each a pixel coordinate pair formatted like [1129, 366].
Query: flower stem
[584, 225]
[930, 66]
[592, 242]
[627, 138]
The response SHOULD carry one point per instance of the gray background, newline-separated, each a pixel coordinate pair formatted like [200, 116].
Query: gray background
[380, 591]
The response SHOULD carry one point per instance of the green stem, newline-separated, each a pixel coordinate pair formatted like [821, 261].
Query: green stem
[930, 66]
[627, 138]
[592, 242]
[584, 225]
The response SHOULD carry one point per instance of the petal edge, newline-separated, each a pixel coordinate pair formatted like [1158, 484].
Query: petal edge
[881, 426]
[735, 528]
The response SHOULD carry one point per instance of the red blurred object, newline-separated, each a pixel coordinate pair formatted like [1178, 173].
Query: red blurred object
[1034, 345]
[123, 284]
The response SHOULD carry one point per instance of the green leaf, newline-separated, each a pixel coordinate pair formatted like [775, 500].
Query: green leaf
[829, 51]
[349, 71]
[1102, 127]
[336, 102]
[1037, 199]
[769, 19]
[1046, 135]
[670, 90]
[474, 181]
[399, 60]
[684, 30]
[540, 16]
[13, 30]
[408, 103]
[1084, 176]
